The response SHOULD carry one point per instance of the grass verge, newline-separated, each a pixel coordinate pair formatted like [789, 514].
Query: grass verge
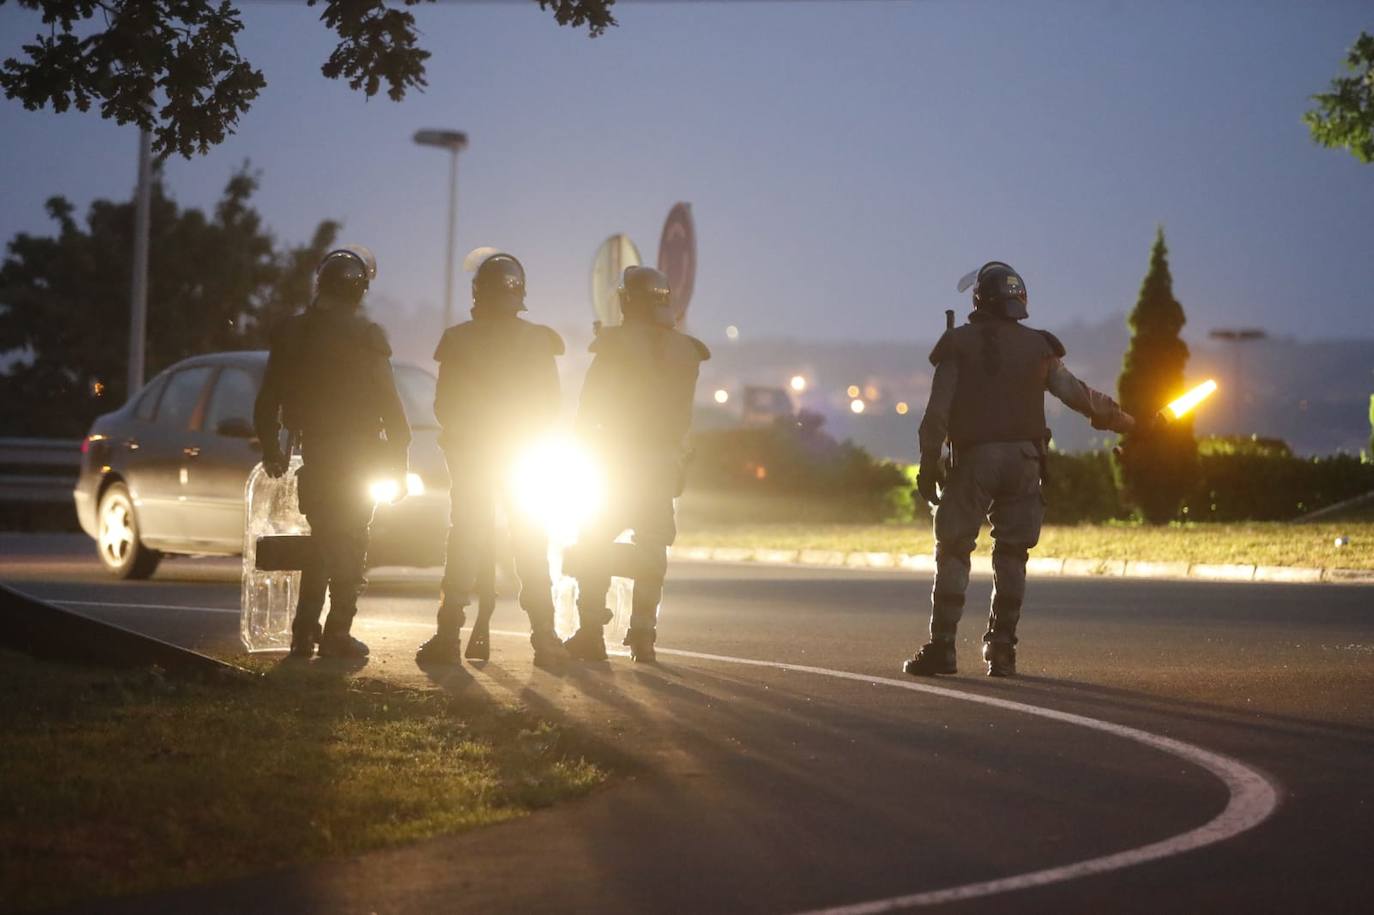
[1259, 543]
[120, 783]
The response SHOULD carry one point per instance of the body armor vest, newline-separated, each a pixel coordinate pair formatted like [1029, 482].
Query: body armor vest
[1000, 395]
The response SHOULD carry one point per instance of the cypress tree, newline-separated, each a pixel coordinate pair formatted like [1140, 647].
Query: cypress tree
[1158, 470]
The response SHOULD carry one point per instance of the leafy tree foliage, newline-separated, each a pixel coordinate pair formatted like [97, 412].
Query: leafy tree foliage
[215, 282]
[1158, 469]
[1344, 117]
[173, 66]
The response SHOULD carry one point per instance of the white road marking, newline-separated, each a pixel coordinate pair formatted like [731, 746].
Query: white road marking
[127, 606]
[1253, 797]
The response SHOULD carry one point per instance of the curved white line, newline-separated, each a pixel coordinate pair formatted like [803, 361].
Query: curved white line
[1253, 797]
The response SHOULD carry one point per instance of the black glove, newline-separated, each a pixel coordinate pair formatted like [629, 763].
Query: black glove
[275, 464]
[929, 479]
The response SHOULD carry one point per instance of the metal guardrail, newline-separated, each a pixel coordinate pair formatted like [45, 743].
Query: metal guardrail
[38, 470]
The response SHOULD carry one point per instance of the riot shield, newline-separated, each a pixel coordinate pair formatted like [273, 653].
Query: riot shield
[562, 559]
[269, 597]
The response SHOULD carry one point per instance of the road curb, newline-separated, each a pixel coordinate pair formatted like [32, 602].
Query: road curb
[1038, 566]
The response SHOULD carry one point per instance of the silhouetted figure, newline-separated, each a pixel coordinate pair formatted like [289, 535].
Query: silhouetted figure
[328, 381]
[988, 400]
[636, 411]
[498, 392]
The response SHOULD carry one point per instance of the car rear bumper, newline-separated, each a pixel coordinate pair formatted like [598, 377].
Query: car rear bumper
[413, 532]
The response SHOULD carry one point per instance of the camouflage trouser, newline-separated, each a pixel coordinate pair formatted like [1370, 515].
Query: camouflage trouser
[643, 504]
[335, 500]
[999, 481]
[469, 568]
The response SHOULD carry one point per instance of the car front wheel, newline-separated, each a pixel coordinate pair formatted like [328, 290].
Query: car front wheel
[117, 540]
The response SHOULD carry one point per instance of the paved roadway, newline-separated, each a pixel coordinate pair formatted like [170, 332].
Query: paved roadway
[766, 789]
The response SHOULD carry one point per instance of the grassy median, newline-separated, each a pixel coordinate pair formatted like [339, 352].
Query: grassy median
[1258, 543]
[119, 783]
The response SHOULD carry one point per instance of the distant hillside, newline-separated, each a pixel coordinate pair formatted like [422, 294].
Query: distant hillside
[1315, 395]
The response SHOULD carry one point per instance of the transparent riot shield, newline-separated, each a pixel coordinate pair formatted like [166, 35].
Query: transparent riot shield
[269, 598]
[618, 598]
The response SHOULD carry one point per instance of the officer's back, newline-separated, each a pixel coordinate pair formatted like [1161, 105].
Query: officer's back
[335, 361]
[498, 381]
[640, 390]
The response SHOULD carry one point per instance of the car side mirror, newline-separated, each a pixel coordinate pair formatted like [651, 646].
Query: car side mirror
[235, 427]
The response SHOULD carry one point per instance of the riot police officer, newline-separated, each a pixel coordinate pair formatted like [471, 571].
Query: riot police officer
[498, 392]
[636, 410]
[987, 399]
[328, 381]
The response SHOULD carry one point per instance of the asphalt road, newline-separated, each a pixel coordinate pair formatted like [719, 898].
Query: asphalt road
[1205, 712]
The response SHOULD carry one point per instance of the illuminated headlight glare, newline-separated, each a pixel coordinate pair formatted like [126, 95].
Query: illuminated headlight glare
[384, 491]
[559, 484]
[414, 485]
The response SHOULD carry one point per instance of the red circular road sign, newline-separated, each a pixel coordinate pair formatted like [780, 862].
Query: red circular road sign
[677, 257]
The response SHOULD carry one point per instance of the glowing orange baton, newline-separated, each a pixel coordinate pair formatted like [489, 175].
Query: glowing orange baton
[1194, 397]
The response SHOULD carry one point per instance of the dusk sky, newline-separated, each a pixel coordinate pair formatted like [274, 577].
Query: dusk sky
[846, 161]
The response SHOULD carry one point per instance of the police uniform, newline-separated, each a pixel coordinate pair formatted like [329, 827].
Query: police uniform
[498, 391]
[987, 400]
[329, 378]
[636, 411]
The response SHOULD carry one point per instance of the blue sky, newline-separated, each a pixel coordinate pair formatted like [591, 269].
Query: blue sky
[846, 161]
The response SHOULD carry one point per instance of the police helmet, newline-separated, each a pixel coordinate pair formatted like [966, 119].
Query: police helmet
[499, 281]
[644, 292]
[1000, 290]
[344, 274]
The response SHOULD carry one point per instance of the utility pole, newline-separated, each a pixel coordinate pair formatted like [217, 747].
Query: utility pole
[454, 141]
[138, 292]
[1236, 336]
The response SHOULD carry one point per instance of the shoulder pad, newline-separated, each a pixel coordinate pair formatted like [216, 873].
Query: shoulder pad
[606, 339]
[1053, 341]
[944, 348]
[553, 339]
[451, 342]
[375, 339]
[703, 351]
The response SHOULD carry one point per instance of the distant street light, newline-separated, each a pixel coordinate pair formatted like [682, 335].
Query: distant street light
[856, 406]
[732, 332]
[902, 408]
[454, 141]
[722, 395]
[798, 383]
[1237, 335]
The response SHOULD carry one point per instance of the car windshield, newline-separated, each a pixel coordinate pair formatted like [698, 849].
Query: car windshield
[416, 387]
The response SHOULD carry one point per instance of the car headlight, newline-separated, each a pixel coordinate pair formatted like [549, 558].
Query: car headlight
[384, 491]
[559, 484]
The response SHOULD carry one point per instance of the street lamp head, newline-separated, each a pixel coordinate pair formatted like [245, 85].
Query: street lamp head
[444, 139]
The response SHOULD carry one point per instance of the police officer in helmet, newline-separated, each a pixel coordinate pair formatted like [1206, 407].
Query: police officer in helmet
[328, 381]
[498, 392]
[636, 410]
[988, 401]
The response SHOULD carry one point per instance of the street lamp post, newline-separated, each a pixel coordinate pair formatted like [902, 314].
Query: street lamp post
[1237, 336]
[454, 141]
[138, 290]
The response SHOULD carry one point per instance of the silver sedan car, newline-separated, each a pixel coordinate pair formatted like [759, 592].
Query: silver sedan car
[164, 474]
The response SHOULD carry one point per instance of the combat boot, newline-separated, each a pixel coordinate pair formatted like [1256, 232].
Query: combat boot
[303, 640]
[446, 645]
[479, 643]
[641, 644]
[548, 650]
[587, 644]
[1001, 658]
[335, 642]
[934, 657]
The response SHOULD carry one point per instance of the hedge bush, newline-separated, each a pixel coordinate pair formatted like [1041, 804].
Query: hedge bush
[794, 461]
